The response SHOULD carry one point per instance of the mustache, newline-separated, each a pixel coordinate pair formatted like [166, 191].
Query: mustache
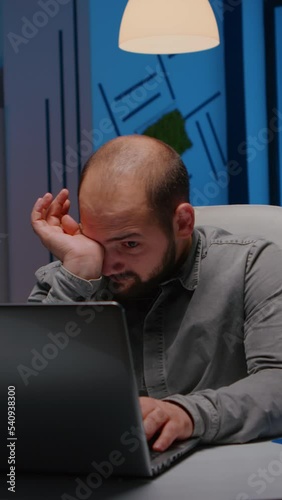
[128, 274]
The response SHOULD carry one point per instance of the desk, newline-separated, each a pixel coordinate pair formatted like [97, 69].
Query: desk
[230, 472]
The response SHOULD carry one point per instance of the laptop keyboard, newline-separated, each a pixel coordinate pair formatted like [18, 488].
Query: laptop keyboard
[163, 460]
[154, 454]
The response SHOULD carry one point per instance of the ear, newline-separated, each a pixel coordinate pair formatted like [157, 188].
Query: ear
[183, 221]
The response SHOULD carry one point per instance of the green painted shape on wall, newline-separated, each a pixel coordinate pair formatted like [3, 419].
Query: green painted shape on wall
[171, 130]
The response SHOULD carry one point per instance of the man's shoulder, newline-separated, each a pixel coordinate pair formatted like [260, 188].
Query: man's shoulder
[211, 235]
[221, 249]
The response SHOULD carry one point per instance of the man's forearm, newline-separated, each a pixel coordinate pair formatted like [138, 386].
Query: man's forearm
[246, 410]
[55, 284]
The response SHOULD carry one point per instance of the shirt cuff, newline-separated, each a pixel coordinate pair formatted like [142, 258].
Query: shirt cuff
[203, 413]
[68, 287]
[78, 278]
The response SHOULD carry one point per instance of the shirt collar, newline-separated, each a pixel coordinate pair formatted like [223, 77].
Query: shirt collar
[188, 274]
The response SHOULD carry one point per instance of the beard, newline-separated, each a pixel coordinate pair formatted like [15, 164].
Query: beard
[142, 289]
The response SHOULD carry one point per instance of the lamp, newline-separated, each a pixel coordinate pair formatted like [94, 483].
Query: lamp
[168, 26]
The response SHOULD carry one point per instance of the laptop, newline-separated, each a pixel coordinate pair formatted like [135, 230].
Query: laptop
[68, 396]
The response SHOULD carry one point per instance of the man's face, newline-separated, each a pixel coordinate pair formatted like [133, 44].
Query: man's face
[137, 256]
[138, 253]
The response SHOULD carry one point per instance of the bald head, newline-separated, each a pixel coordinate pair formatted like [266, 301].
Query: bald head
[130, 161]
[135, 156]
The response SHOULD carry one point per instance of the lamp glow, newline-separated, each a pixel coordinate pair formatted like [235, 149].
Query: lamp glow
[168, 26]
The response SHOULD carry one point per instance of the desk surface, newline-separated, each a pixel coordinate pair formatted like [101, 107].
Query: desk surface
[235, 472]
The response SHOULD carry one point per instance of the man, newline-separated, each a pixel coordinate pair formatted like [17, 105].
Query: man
[204, 307]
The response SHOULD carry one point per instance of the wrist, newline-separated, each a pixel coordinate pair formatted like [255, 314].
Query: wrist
[82, 269]
[188, 417]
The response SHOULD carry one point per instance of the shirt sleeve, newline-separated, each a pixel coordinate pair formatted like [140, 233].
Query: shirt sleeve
[56, 284]
[250, 408]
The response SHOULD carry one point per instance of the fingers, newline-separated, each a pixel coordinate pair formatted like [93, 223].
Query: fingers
[154, 421]
[168, 435]
[60, 205]
[51, 210]
[159, 420]
[65, 207]
[168, 420]
[70, 226]
[40, 207]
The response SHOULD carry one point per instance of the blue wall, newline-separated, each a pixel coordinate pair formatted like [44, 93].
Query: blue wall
[133, 91]
[204, 90]
[255, 146]
[278, 36]
[1, 35]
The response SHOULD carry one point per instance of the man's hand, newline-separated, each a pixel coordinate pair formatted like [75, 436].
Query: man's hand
[62, 236]
[168, 419]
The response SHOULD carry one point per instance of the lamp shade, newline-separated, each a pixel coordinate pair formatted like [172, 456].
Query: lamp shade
[168, 26]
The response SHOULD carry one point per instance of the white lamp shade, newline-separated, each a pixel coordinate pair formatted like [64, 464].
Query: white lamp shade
[168, 26]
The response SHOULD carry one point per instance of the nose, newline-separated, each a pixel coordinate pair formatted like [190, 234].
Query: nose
[112, 265]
